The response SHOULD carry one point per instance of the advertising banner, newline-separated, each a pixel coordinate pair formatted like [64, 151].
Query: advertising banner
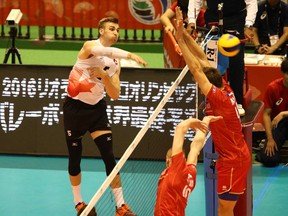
[133, 14]
[31, 110]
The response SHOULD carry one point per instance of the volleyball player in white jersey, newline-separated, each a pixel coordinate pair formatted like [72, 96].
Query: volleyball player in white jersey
[96, 70]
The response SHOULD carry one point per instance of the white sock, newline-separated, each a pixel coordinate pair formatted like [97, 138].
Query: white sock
[76, 190]
[118, 195]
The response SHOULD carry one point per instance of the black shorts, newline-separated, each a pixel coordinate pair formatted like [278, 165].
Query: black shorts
[79, 116]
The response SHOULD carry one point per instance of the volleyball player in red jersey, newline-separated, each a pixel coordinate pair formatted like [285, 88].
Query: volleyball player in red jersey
[234, 157]
[275, 118]
[178, 180]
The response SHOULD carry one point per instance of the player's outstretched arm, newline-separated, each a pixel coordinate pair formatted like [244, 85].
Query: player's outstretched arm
[193, 47]
[196, 49]
[180, 131]
[91, 48]
[191, 60]
[165, 20]
[189, 56]
[112, 83]
[199, 140]
[137, 58]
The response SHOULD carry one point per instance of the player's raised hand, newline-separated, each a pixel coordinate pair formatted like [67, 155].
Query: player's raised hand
[211, 118]
[96, 72]
[169, 28]
[197, 124]
[137, 58]
[179, 24]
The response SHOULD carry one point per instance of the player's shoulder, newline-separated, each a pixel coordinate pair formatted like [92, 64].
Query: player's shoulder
[91, 42]
[276, 82]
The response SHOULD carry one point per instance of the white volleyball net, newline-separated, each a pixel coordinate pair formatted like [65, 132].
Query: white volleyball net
[144, 159]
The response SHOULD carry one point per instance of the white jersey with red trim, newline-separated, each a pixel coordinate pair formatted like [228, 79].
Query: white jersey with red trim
[84, 88]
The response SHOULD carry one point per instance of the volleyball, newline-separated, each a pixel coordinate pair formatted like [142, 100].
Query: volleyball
[229, 45]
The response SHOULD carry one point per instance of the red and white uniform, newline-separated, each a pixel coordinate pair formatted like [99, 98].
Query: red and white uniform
[174, 187]
[84, 88]
[229, 142]
[276, 97]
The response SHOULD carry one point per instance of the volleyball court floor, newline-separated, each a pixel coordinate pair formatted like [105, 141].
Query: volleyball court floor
[39, 186]
[34, 185]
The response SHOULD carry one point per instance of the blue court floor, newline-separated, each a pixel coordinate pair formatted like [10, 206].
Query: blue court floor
[34, 186]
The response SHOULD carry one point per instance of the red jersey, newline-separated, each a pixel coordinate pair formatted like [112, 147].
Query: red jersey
[173, 6]
[174, 187]
[227, 133]
[276, 97]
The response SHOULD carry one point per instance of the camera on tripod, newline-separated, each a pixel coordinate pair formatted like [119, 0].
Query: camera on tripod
[14, 18]
[12, 21]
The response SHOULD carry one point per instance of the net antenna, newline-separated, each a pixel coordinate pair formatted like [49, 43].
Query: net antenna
[137, 139]
[195, 18]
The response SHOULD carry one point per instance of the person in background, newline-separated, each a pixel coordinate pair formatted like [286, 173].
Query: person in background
[271, 27]
[96, 70]
[166, 18]
[238, 19]
[234, 159]
[178, 180]
[275, 118]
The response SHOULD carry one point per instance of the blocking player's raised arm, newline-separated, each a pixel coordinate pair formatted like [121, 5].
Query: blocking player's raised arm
[181, 129]
[191, 60]
[196, 49]
[199, 140]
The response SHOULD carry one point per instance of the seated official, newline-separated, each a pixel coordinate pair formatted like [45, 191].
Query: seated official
[275, 118]
[271, 27]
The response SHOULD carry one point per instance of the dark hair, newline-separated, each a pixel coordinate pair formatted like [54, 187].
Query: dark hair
[284, 65]
[183, 4]
[105, 20]
[214, 76]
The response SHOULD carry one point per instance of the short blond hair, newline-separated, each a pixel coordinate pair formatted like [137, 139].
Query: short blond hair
[105, 20]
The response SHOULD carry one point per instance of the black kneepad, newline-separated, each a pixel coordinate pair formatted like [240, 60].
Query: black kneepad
[104, 144]
[75, 151]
